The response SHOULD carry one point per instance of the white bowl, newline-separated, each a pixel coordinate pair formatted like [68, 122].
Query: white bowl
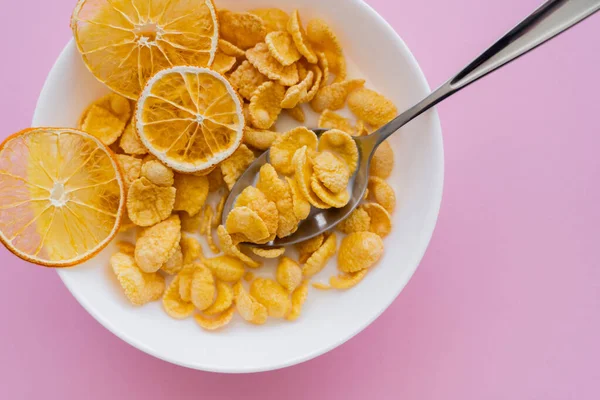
[329, 318]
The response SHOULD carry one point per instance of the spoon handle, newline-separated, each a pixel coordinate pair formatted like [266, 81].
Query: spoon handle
[549, 20]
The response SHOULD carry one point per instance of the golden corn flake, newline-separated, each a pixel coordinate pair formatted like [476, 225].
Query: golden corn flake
[116, 104]
[185, 281]
[260, 139]
[131, 166]
[337, 200]
[321, 286]
[230, 49]
[279, 192]
[297, 113]
[130, 141]
[191, 193]
[325, 41]
[173, 304]
[258, 202]
[223, 301]
[283, 149]
[282, 47]
[295, 94]
[209, 236]
[190, 248]
[317, 261]
[289, 274]
[158, 173]
[361, 128]
[303, 168]
[381, 222]
[298, 298]
[323, 64]
[372, 107]
[247, 222]
[174, 264]
[233, 167]
[232, 249]
[215, 179]
[139, 287]
[102, 124]
[244, 30]
[331, 171]
[382, 193]
[295, 28]
[311, 245]
[301, 206]
[346, 281]
[126, 247]
[332, 120]
[318, 80]
[157, 244]
[273, 18]
[246, 79]
[357, 221]
[268, 253]
[333, 97]
[265, 104]
[358, 251]
[219, 210]
[342, 145]
[248, 307]
[271, 295]
[226, 268]
[202, 289]
[222, 62]
[147, 203]
[260, 57]
[190, 224]
[382, 162]
[211, 323]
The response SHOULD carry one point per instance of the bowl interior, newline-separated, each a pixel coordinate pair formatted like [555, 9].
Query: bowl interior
[374, 52]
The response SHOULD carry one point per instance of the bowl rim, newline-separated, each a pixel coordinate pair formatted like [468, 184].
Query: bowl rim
[428, 230]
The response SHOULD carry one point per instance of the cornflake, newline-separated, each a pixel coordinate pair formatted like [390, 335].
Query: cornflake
[382, 193]
[283, 149]
[341, 144]
[331, 171]
[372, 107]
[260, 139]
[211, 323]
[230, 49]
[173, 304]
[232, 249]
[139, 287]
[233, 167]
[333, 97]
[102, 124]
[303, 176]
[271, 295]
[381, 222]
[157, 244]
[297, 113]
[317, 261]
[289, 274]
[242, 29]
[295, 28]
[130, 141]
[157, 173]
[346, 281]
[148, 204]
[248, 307]
[382, 162]
[295, 94]
[223, 300]
[298, 298]
[273, 18]
[191, 193]
[333, 120]
[247, 222]
[358, 251]
[282, 48]
[226, 268]
[202, 289]
[357, 221]
[268, 253]
[246, 79]
[265, 104]
[260, 57]
[132, 167]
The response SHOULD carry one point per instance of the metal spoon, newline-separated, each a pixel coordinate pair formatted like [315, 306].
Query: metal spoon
[549, 20]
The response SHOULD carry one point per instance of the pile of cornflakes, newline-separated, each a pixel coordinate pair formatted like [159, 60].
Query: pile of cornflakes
[275, 64]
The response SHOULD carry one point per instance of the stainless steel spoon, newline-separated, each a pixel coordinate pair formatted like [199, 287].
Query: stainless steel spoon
[549, 20]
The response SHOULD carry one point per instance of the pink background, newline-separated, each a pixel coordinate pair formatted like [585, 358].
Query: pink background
[506, 301]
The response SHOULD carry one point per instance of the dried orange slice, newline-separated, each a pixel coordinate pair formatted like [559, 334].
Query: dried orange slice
[63, 196]
[124, 43]
[190, 118]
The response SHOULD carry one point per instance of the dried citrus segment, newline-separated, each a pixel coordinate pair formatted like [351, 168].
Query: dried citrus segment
[382, 162]
[190, 224]
[211, 323]
[191, 193]
[260, 139]
[303, 168]
[246, 79]
[223, 63]
[258, 202]
[202, 289]
[298, 298]
[295, 28]
[102, 124]
[341, 144]
[317, 260]
[63, 196]
[157, 244]
[226, 268]
[332, 120]
[265, 104]
[247, 222]
[126, 247]
[357, 221]
[175, 263]
[289, 274]
[190, 248]
[190, 118]
[331, 171]
[250, 309]
[139, 286]
[271, 295]
[131, 166]
[268, 253]
[301, 206]
[260, 57]
[185, 281]
[117, 105]
[309, 246]
[282, 48]
[333, 97]
[158, 173]
[297, 113]
[242, 29]
[283, 149]
[382, 193]
[323, 39]
[223, 300]
[232, 249]
[130, 141]
[346, 281]
[124, 43]
[173, 304]
[230, 49]
[337, 200]
[148, 204]
[358, 251]
[295, 94]
[381, 222]
[273, 18]
[234, 166]
[372, 107]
